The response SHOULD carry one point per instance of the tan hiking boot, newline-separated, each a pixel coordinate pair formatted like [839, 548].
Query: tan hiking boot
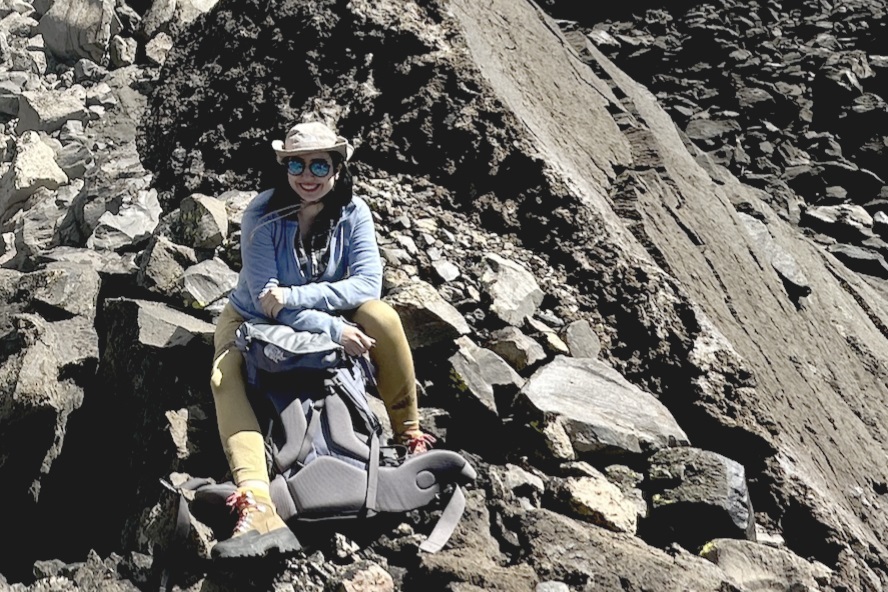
[259, 530]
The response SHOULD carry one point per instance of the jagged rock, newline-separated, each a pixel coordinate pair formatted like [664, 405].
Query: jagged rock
[595, 499]
[157, 49]
[101, 94]
[571, 551]
[188, 10]
[861, 259]
[513, 291]
[202, 223]
[366, 578]
[782, 262]
[87, 70]
[473, 556]
[75, 159]
[445, 270]
[68, 287]
[512, 480]
[629, 482]
[105, 262]
[158, 17]
[550, 586]
[708, 131]
[134, 223]
[696, 496]
[47, 111]
[519, 350]
[122, 51]
[207, 282]
[236, 203]
[33, 167]
[481, 376]
[43, 220]
[844, 222]
[880, 224]
[581, 340]
[750, 564]
[549, 338]
[163, 265]
[42, 379]
[427, 317]
[10, 90]
[79, 28]
[601, 411]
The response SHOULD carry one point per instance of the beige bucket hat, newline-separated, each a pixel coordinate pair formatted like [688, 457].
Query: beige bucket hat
[312, 136]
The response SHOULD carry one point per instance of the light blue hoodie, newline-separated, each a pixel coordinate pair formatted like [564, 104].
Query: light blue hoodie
[353, 275]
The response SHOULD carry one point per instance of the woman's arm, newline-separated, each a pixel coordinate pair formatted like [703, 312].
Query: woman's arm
[258, 254]
[364, 282]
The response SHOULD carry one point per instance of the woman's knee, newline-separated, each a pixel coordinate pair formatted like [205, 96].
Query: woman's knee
[227, 373]
[378, 317]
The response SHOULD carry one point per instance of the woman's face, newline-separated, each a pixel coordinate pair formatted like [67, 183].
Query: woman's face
[310, 187]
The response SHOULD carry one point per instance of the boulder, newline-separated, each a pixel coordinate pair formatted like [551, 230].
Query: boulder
[581, 340]
[596, 500]
[65, 288]
[162, 266]
[122, 51]
[519, 350]
[445, 270]
[79, 28]
[697, 495]
[482, 377]
[202, 222]
[513, 291]
[843, 222]
[236, 202]
[426, 316]
[602, 413]
[157, 49]
[47, 111]
[44, 220]
[33, 167]
[134, 223]
[753, 566]
[207, 282]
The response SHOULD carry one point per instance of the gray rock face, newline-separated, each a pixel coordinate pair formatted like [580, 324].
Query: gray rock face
[133, 224]
[426, 316]
[47, 111]
[203, 222]
[592, 498]
[568, 550]
[689, 482]
[750, 565]
[163, 265]
[481, 376]
[513, 291]
[600, 410]
[207, 282]
[33, 167]
[517, 348]
[79, 28]
[782, 262]
[581, 340]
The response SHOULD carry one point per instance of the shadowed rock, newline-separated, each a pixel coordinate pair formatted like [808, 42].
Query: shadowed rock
[696, 496]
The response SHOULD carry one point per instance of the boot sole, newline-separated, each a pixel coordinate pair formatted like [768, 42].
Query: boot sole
[277, 542]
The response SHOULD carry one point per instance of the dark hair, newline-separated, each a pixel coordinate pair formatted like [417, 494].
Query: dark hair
[339, 197]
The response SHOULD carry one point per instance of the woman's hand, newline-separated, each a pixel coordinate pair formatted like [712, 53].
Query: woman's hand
[272, 302]
[354, 341]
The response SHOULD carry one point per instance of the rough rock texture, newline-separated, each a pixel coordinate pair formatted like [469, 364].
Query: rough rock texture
[480, 129]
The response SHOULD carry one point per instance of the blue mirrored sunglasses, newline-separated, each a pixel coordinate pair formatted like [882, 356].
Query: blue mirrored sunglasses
[317, 167]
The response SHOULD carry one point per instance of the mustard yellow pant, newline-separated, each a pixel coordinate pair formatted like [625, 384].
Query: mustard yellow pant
[238, 428]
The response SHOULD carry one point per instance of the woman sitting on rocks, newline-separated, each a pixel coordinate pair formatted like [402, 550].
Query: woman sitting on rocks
[310, 261]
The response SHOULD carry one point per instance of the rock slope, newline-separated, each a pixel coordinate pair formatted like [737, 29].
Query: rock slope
[536, 208]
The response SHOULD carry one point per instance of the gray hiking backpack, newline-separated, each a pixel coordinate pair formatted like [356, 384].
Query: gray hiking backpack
[326, 459]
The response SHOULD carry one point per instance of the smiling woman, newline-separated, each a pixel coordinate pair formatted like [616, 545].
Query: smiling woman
[310, 261]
